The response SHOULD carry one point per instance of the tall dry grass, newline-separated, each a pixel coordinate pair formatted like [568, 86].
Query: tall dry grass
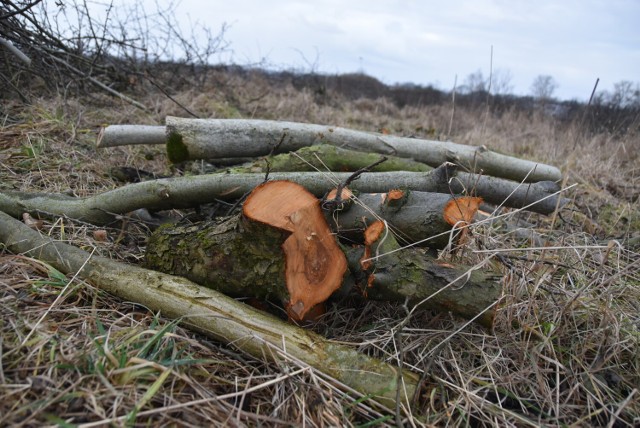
[564, 350]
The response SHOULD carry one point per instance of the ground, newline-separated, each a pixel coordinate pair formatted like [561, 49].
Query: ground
[563, 351]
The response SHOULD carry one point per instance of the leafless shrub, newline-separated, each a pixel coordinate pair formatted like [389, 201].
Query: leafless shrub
[81, 46]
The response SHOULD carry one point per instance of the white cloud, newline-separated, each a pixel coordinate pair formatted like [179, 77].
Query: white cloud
[431, 41]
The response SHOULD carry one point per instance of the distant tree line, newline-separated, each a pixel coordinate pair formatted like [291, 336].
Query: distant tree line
[616, 112]
[122, 55]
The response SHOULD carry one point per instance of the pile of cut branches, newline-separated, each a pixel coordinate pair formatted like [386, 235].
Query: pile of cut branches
[297, 241]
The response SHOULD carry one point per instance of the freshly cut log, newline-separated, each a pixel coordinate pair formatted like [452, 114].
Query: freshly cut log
[242, 257]
[412, 216]
[315, 265]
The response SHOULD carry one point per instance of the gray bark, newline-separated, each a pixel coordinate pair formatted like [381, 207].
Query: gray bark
[213, 138]
[415, 277]
[14, 50]
[227, 138]
[419, 217]
[190, 191]
[125, 135]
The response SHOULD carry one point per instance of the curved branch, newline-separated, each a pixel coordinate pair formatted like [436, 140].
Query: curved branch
[182, 192]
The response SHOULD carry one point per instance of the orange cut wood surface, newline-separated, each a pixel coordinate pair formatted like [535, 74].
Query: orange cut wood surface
[273, 202]
[371, 235]
[315, 264]
[345, 194]
[393, 195]
[460, 211]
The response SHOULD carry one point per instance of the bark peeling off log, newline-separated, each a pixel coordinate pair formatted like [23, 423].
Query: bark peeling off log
[215, 315]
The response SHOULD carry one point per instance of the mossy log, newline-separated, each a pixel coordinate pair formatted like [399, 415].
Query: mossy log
[232, 258]
[215, 315]
[384, 271]
[324, 157]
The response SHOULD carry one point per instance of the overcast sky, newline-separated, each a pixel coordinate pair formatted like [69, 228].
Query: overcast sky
[430, 42]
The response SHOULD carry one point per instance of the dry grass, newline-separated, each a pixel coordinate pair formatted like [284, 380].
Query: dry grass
[564, 350]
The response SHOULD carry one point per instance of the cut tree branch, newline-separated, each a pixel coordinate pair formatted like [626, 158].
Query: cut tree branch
[191, 139]
[411, 216]
[182, 192]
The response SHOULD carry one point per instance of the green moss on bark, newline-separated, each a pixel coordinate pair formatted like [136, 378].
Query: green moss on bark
[224, 256]
[177, 151]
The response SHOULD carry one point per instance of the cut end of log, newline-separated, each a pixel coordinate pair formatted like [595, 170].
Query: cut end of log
[274, 202]
[371, 235]
[100, 137]
[394, 198]
[373, 232]
[315, 264]
[343, 204]
[345, 194]
[459, 212]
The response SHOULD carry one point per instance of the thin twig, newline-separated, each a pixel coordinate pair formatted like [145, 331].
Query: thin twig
[338, 199]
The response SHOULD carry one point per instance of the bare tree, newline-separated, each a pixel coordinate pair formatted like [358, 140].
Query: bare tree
[543, 87]
[69, 45]
[625, 94]
[475, 82]
[501, 82]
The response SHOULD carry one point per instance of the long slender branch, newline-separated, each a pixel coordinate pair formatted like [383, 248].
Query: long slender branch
[184, 192]
[97, 82]
[224, 138]
[21, 10]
